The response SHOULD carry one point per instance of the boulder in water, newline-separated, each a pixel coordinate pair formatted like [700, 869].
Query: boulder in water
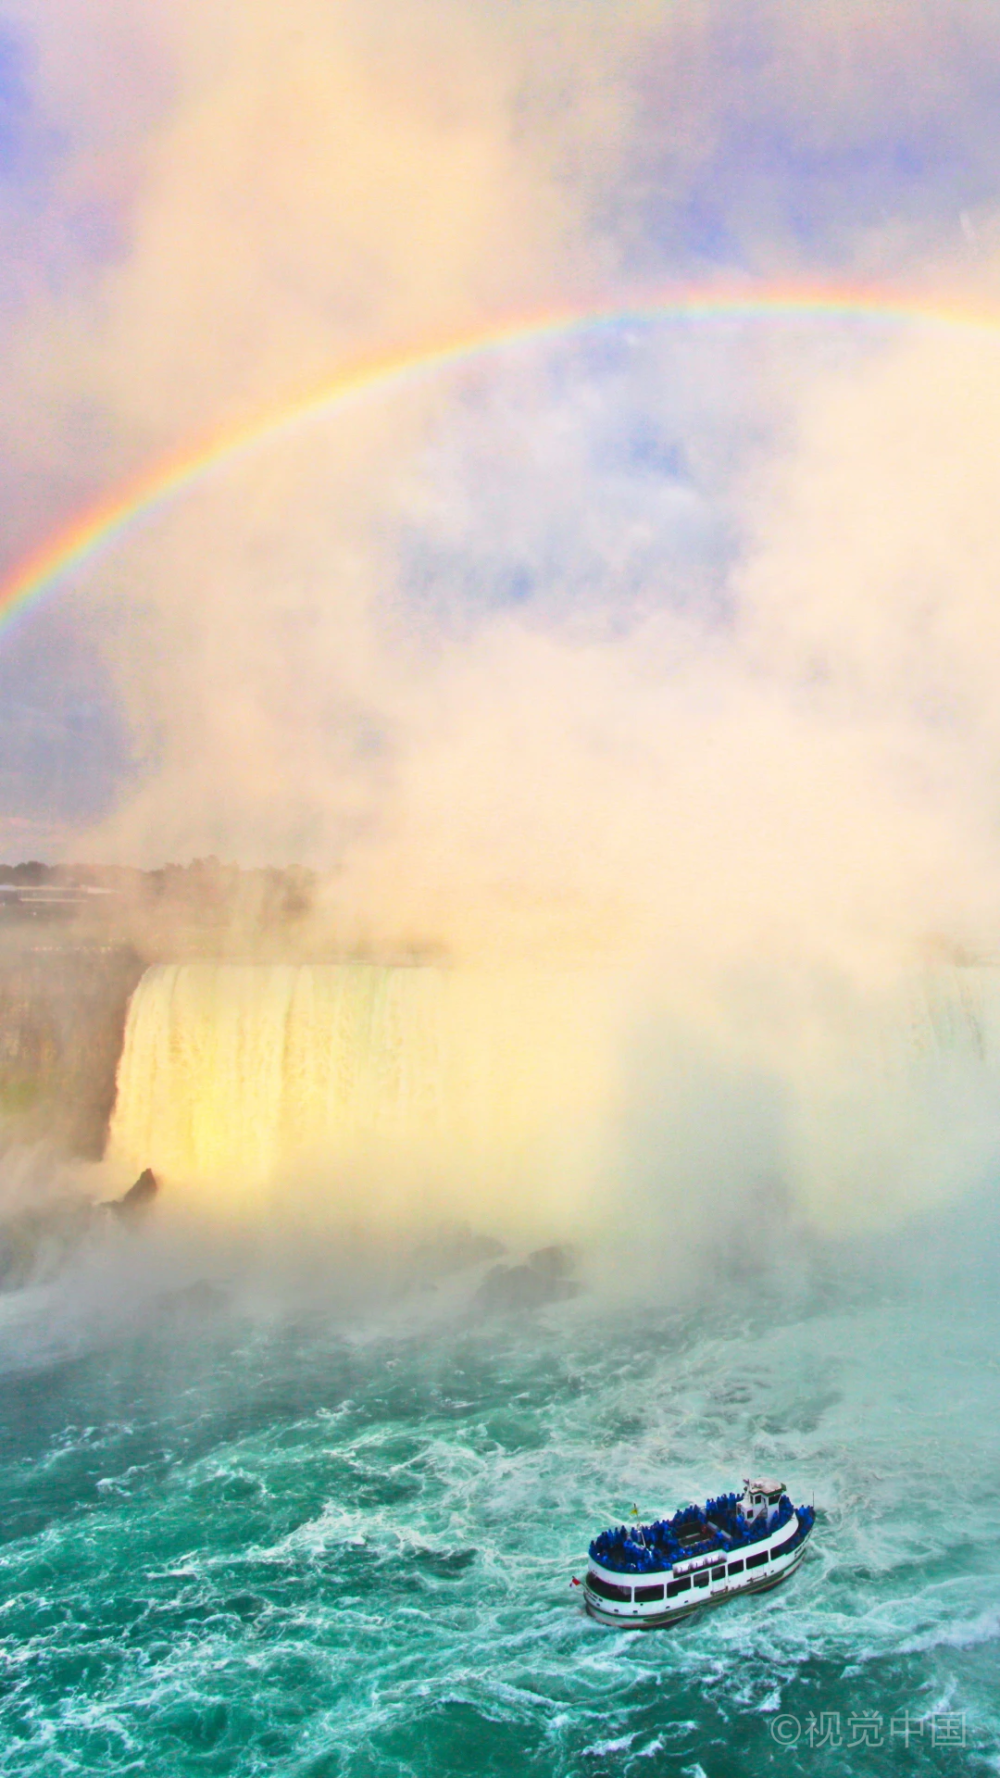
[138, 1199]
[544, 1278]
[553, 1263]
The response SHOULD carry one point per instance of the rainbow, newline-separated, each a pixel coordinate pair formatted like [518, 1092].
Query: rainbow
[101, 525]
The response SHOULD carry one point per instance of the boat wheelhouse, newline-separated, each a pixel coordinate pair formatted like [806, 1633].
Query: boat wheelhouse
[645, 1576]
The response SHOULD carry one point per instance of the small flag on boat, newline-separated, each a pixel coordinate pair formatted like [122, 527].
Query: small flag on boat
[635, 1510]
[574, 1582]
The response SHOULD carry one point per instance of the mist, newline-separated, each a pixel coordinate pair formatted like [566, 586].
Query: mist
[508, 863]
[656, 659]
[754, 792]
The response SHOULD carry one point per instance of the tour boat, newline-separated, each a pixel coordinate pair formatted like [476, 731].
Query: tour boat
[644, 1576]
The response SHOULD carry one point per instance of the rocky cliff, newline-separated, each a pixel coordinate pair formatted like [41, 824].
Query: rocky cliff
[62, 1017]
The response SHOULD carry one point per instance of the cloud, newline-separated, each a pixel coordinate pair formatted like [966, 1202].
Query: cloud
[772, 808]
[209, 208]
[675, 649]
[784, 739]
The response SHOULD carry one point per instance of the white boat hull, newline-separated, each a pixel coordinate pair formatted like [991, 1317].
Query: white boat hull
[705, 1580]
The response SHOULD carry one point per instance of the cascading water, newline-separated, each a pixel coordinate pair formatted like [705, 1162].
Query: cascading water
[290, 1532]
[384, 1088]
[392, 1095]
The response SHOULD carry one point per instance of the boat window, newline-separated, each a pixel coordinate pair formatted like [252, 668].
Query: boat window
[757, 1561]
[736, 1567]
[702, 1579]
[720, 1572]
[606, 1589]
[781, 1549]
[645, 1595]
[678, 1586]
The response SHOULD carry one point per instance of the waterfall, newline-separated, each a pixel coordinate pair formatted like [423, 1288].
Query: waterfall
[364, 1088]
[955, 1012]
[532, 1101]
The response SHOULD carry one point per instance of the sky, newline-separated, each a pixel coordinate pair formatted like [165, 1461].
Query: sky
[671, 630]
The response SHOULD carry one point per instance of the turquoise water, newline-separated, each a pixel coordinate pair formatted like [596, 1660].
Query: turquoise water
[242, 1535]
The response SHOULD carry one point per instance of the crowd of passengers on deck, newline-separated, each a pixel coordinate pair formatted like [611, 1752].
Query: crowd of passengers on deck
[642, 1549]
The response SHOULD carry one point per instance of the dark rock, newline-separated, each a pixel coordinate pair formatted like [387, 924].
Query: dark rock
[544, 1279]
[553, 1262]
[62, 1016]
[138, 1199]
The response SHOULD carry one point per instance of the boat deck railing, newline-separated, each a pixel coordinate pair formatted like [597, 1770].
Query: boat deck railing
[693, 1531]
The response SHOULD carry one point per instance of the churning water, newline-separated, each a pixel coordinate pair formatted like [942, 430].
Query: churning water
[310, 1525]
[245, 1538]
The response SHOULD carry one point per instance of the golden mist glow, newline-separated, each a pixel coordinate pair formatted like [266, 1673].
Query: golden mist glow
[388, 1097]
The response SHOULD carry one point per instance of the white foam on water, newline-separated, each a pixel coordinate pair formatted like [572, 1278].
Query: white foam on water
[966, 1633]
[601, 1748]
[344, 1526]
